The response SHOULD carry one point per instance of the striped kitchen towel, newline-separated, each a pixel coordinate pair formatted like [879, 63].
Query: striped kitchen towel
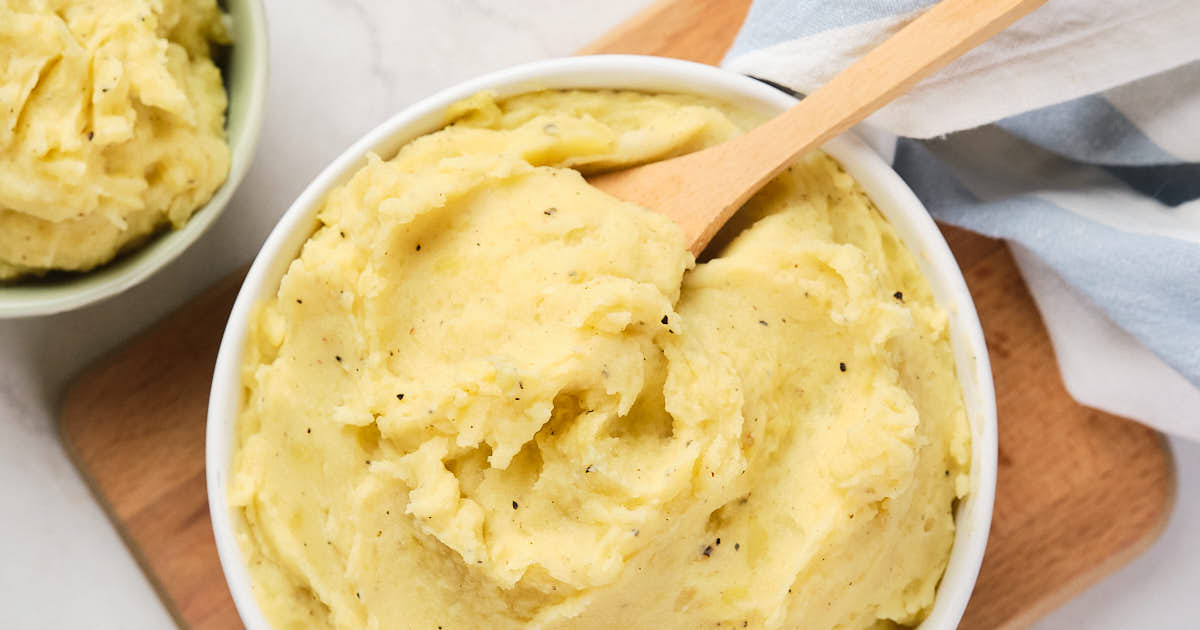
[1075, 136]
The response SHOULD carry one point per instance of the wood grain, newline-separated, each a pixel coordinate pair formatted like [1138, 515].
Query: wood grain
[1079, 493]
[695, 30]
[134, 424]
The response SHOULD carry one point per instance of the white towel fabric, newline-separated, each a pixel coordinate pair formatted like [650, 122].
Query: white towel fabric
[1074, 135]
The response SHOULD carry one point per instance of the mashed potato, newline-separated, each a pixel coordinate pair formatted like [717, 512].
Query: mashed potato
[111, 126]
[488, 395]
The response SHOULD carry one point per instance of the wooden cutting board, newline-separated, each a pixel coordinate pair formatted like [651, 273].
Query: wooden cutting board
[1080, 492]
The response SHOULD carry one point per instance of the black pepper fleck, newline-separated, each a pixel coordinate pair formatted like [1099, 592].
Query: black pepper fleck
[399, 396]
[842, 366]
[763, 322]
[898, 295]
[338, 357]
[588, 469]
[515, 506]
[707, 551]
[418, 247]
[737, 546]
[718, 541]
[549, 211]
[308, 430]
[299, 301]
[91, 134]
[664, 319]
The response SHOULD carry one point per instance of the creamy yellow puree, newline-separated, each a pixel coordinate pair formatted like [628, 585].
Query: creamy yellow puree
[488, 395]
[111, 126]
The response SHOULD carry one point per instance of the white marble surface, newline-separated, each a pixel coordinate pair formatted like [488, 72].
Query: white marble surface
[338, 67]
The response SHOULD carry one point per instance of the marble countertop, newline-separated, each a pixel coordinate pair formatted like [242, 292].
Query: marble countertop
[339, 67]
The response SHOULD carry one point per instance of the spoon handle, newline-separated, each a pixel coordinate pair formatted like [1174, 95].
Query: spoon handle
[701, 190]
[943, 33]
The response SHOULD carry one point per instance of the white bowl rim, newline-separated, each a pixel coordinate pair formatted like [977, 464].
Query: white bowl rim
[164, 248]
[653, 74]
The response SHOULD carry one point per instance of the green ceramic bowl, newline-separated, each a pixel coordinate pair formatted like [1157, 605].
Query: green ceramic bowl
[245, 73]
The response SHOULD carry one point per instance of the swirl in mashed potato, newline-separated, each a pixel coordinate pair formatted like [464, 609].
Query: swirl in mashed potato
[488, 395]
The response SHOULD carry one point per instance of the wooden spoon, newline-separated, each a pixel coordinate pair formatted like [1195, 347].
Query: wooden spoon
[701, 190]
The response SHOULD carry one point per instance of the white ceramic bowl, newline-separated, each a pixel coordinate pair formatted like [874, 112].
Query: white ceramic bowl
[650, 74]
[245, 76]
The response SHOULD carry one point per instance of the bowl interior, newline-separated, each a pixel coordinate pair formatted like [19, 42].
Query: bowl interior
[245, 75]
[651, 74]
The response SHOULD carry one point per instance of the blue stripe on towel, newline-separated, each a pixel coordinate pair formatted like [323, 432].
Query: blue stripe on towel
[1148, 285]
[1170, 184]
[1087, 129]
[771, 22]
